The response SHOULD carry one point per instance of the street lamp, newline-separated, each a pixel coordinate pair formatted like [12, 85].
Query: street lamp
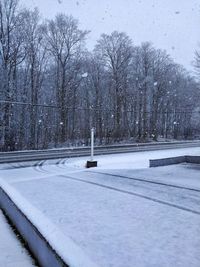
[91, 163]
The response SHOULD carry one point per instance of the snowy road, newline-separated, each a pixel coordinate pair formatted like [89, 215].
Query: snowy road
[121, 213]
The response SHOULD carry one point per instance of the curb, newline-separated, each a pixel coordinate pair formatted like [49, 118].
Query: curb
[50, 247]
[174, 160]
[38, 245]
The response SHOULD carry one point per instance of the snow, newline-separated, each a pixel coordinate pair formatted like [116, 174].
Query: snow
[115, 228]
[136, 160]
[116, 161]
[84, 75]
[74, 256]
[119, 214]
[11, 248]
[185, 175]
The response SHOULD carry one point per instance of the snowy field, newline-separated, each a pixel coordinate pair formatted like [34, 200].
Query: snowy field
[119, 214]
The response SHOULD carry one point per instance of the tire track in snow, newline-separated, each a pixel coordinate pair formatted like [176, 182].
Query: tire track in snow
[134, 194]
[147, 181]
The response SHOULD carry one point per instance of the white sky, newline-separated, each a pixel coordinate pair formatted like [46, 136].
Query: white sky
[173, 25]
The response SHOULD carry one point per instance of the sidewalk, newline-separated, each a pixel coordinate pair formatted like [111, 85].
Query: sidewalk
[12, 254]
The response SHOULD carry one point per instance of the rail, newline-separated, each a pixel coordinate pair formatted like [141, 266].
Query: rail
[31, 155]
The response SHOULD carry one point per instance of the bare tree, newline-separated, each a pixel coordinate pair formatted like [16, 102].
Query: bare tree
[116, 51]
[53, 91]
[197, 63]
[65, 42]
[35, 63]
[11, 55]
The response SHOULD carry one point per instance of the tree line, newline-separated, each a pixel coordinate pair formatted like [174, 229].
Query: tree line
[53, 90]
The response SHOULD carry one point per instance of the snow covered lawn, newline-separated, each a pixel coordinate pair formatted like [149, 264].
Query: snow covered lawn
[121, 214]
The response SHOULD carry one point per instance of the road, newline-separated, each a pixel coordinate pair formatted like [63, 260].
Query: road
[19, 156]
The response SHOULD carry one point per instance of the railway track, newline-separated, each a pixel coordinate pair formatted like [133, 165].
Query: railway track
[32, 155]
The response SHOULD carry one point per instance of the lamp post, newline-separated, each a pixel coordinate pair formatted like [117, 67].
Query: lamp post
[92, 144]
[91, 163]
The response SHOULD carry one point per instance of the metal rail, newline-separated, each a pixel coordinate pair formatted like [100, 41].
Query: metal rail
[31, 155]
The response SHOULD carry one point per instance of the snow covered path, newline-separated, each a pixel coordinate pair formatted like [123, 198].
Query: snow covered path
[121, 213]
[12, 254]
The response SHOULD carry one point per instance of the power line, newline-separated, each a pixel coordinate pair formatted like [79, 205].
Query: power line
[185, 110]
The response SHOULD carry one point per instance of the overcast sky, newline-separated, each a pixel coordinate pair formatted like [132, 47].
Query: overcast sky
[173, 25]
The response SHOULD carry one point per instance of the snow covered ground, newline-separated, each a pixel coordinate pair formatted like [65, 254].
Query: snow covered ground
[119, 214]
[12, 254]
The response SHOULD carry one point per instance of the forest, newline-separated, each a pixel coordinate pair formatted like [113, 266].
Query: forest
[53, 90]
